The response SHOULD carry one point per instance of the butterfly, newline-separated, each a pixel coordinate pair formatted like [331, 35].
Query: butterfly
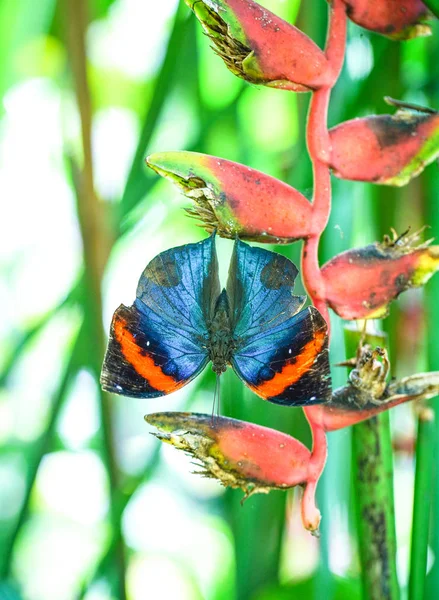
[181, 320]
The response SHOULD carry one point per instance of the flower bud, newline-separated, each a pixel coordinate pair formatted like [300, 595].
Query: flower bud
[385, 149]
[361, 283]
[397, 19]
[343, 410]
[260, 47]
[235, 199]
[240, 454]
[367, 393]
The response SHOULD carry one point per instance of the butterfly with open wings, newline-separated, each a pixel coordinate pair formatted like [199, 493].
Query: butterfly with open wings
[181, 320]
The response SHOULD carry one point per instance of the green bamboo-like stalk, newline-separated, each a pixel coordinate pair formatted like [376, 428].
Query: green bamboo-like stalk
[425, 452]
[373, 485]
[425, 448]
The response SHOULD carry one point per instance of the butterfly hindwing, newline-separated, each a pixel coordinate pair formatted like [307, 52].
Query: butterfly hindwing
[141, 363]
[159, 344]
[290, 364]
[281, 353]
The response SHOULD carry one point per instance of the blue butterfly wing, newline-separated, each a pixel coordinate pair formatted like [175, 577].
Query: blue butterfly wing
[281, 351]
[260, 290]
[159, 344]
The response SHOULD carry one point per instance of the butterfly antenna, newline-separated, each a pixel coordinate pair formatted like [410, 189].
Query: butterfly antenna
[215, 400]
[218, 387]
[212, 417]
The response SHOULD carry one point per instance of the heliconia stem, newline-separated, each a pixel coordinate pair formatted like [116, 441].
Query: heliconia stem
[373, 485]
[336, 44]
[311, 515]
[310, 512]
[313, 281]
[317, 132]
[319, 148]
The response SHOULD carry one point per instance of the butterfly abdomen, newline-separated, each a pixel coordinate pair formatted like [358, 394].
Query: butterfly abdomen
[220, 344]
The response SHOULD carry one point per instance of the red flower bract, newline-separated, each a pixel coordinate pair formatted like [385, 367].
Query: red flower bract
[385, 149]
[361, 283]
[235, 199]
[241, 455]
[245, 35]
[397, 19]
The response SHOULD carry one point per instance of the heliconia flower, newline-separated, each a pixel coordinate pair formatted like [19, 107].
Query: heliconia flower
[361, 283]
[396, 19]
[240, 454]
[386, 149]
[235, 199]
[260, 47]
[367, 393]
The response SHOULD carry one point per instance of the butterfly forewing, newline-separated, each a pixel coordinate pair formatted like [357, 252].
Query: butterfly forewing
[260, 290]
[281, 353]
[182, 285]
[159, 344]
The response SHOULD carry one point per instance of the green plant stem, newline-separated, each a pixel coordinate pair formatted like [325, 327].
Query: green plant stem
[96, 241]
[425, 448]
[373, 485]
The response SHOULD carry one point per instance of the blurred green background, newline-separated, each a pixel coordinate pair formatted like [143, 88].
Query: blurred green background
[90, 506]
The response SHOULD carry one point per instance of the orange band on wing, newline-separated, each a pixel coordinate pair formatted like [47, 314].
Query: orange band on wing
[141, 362]
[293, 371]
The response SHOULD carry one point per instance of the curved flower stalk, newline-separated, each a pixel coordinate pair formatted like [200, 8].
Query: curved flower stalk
[244, 34]
[397, 19]
[386, 149]
[235, 199]
[241, 455]
[361, 283]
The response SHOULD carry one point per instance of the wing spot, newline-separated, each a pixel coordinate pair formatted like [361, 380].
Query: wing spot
[163, 270]
[277, 273]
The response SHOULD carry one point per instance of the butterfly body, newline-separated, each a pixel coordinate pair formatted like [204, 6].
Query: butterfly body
[221, 343]
[181, 320]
